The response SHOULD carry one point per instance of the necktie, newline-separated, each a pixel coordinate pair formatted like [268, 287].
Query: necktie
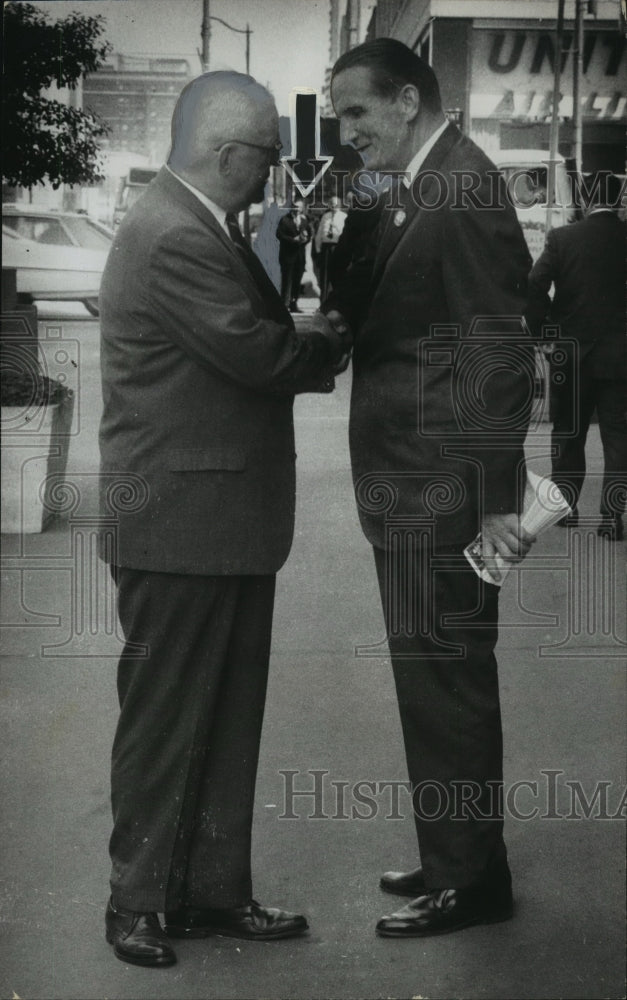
[235, 232]
[257, 269]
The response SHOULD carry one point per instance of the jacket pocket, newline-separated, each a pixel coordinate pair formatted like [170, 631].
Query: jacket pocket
[219, 457]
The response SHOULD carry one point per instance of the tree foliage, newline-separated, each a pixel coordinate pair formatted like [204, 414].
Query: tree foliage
[45, 139]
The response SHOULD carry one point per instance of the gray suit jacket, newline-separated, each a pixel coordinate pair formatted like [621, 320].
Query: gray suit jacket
[200, 363]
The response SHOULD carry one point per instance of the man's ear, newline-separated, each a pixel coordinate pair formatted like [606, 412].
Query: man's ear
[225, 159]
[409, 100]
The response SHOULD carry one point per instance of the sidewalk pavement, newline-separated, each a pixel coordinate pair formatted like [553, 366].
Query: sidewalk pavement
[331, 722]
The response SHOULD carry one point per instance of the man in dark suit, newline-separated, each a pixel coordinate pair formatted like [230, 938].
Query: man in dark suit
[442, 389]
[293, 233]
[585, 263]
[200, 363]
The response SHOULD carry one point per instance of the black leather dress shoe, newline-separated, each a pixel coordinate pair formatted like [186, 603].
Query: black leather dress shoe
[445, 910]
[138, 938]
[404, 883]
[252, 922]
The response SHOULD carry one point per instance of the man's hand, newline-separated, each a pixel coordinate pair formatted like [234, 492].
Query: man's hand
[343, 330]
[334, 326]
[503, 534]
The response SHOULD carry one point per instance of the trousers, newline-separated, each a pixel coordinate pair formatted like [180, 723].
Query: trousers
[573, 403]
[186, 747]
[442, 626]
[292, 270]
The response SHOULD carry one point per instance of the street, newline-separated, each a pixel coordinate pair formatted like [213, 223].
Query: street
[332, 813]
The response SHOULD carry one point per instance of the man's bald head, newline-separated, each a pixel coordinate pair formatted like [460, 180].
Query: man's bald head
[218, 107]
[218, 117]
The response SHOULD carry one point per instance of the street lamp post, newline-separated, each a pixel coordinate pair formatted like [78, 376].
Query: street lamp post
[554, 133]
[577, 77]
[205, 34]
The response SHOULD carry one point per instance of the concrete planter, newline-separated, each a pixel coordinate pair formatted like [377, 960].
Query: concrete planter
[35, 443]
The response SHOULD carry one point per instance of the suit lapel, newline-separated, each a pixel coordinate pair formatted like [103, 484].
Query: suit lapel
[246, 258]
[176, 190]
[397, 222]
[259, 273]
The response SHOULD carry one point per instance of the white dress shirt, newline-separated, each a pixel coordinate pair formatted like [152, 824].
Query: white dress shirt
[218, 213]
[330, 227]
[417, 161]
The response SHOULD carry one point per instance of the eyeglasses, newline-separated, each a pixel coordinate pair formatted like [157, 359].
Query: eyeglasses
[273, 152]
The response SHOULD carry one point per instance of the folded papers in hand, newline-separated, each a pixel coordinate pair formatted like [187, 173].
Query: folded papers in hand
[544, 505]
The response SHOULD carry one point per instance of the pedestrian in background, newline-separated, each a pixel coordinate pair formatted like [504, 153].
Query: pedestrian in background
[585, 264]
[293, 232]
[328, 232]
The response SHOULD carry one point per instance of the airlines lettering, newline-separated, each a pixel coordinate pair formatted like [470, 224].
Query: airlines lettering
[507, 49]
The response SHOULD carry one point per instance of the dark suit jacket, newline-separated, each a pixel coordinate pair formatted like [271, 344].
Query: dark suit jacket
[286, 232]
[586, 263]
[442, 379]
[355, 252]
[200, 362]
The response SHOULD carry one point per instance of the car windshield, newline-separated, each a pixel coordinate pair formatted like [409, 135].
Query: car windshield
[530, 184]
[41, 229]
[87, 234]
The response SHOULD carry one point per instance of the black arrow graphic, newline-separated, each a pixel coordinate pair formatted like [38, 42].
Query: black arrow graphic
[305, 166]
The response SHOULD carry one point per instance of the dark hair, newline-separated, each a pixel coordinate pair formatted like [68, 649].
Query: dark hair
[392, 66]
[602, 189]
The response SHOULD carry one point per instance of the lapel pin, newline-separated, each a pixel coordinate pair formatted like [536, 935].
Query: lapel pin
[400, 217]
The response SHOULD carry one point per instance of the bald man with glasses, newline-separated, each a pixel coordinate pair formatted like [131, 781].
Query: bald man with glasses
[273, 151]
[200, 365]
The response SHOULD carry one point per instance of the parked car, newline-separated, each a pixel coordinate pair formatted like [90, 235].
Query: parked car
[131, 188]
[58, 255]
[526, 173]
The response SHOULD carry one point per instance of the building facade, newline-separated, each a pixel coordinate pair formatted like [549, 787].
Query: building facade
[136, 96]
[495, 63]
[349, 21]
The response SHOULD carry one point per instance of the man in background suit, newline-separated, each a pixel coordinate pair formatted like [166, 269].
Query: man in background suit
[200, 363]
[325, 242]
[439, 412]
[585, 262]
[293, 233]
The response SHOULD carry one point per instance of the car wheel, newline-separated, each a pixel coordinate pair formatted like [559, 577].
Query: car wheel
[91, 305]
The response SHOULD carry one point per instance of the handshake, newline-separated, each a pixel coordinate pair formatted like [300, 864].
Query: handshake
[337, 331]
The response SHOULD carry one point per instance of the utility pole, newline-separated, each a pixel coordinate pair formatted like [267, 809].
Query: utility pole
[205, 34]
[577, 75]
[72, 193]
[557, 71]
